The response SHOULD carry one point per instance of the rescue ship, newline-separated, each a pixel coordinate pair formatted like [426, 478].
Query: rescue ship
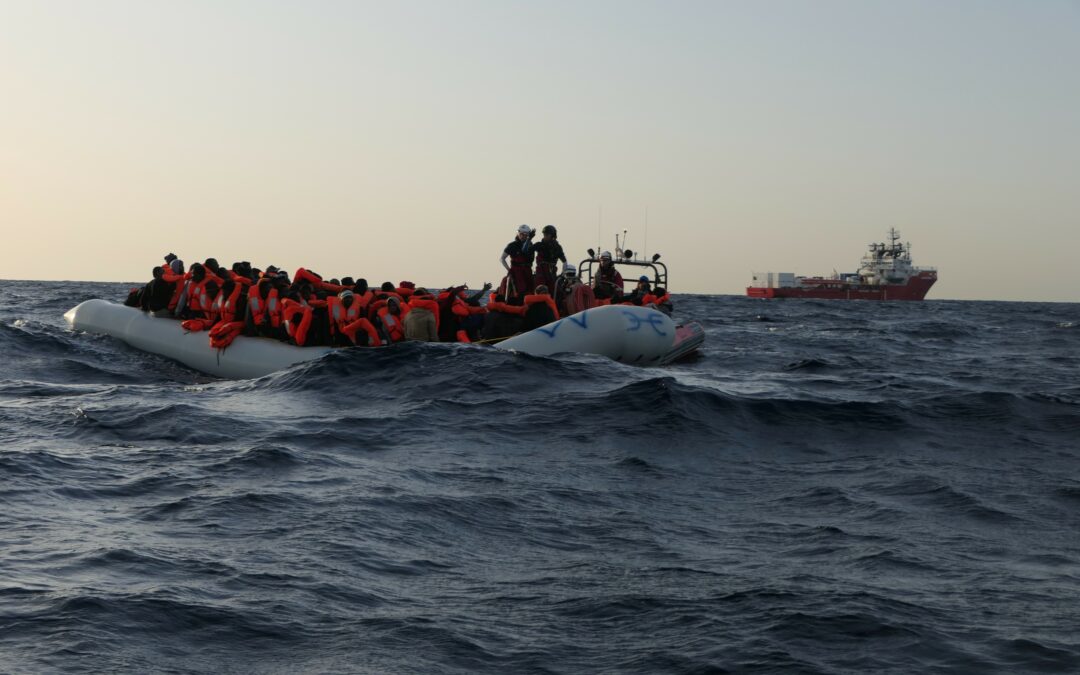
[886, 273]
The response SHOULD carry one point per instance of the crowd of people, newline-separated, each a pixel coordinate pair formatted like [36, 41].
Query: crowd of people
[307, 309]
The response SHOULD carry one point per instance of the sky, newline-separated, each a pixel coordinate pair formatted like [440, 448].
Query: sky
[408, 140]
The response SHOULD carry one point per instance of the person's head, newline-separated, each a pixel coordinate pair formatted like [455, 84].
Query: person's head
[169, 257]
[393, 306]
[659, 291]
[177, 266]
[541, 290]
[271, 270]
[264, 286]
[334, 282]
[361, 286]
[421, 292]
[550, 232]
[643, 282]
[387, 287]
[605, 259]
[227, 286]
[347, 298]
[211, 264]
[198, 272]
[158, 272]
[523, 232]
[570, 270]
[407, 284]
[347, 281]
[212, 288]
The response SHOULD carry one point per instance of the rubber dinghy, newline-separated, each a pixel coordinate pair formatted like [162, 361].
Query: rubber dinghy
[637, 335]
[626, 333]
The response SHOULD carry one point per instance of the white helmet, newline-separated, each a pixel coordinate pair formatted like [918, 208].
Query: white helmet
[570, 269]
[605, 254]
[524, 229]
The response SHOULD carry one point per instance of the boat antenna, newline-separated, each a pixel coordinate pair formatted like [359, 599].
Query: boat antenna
[599, 222]
[645, 244]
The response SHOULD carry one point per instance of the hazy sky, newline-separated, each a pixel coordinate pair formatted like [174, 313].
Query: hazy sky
[408, 140]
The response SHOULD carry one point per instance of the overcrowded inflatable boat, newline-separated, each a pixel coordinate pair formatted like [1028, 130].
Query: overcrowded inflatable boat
[628, 334]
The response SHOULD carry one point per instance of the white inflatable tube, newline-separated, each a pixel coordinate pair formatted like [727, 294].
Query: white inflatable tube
[636, 335]
[245, 357]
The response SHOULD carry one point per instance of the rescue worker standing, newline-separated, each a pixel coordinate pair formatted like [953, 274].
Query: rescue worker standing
[548, 253]
[608, 284]
[521, 252]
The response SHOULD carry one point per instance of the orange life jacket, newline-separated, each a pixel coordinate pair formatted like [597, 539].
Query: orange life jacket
[297, 328]
[531, 300]
[261, 310]
[428, 303]
[340, 315]
[179, 280]
[362, 324]
[224, 307]
[223, 334]
[496, 306]
[394, 325]
[194, 325]
[199, 299]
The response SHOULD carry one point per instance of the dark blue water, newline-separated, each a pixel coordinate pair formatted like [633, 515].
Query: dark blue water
[830, 487]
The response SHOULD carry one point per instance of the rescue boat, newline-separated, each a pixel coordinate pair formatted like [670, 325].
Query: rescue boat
[625, 333]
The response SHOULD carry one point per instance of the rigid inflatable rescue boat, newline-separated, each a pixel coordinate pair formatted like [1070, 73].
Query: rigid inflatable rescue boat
[635, 335]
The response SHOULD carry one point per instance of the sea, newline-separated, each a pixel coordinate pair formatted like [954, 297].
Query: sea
[826, 487]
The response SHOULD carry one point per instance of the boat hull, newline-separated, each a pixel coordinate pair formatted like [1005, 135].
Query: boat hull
[626, 333]
[246, 357]
[833, 289]
[635, 335]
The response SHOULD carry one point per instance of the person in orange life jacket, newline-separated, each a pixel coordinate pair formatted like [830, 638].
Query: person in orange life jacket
[608, 284]
[405, 289]
[548, 253]
[474, 322]
[263, 310]
[379, 298]
[175, 276]
[641, 291]
[539, 309]
[169, 257]
[452, 309]
[343, 309]
[230, 303]
[502, 320]
[212, 267]
[519, 270]
[190, 304]
[392, 318]
[660, 299]
[422, 320]
[296, 317]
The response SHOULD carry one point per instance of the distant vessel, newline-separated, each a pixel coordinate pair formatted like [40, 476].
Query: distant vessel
[886, 273]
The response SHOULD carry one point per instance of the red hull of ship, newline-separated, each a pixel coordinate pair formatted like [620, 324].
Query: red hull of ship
[833, 289]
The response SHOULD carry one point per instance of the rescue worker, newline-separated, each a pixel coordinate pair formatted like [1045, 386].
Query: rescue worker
[519, 271]
[608, 284]
[548, 253]
[571, 295]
